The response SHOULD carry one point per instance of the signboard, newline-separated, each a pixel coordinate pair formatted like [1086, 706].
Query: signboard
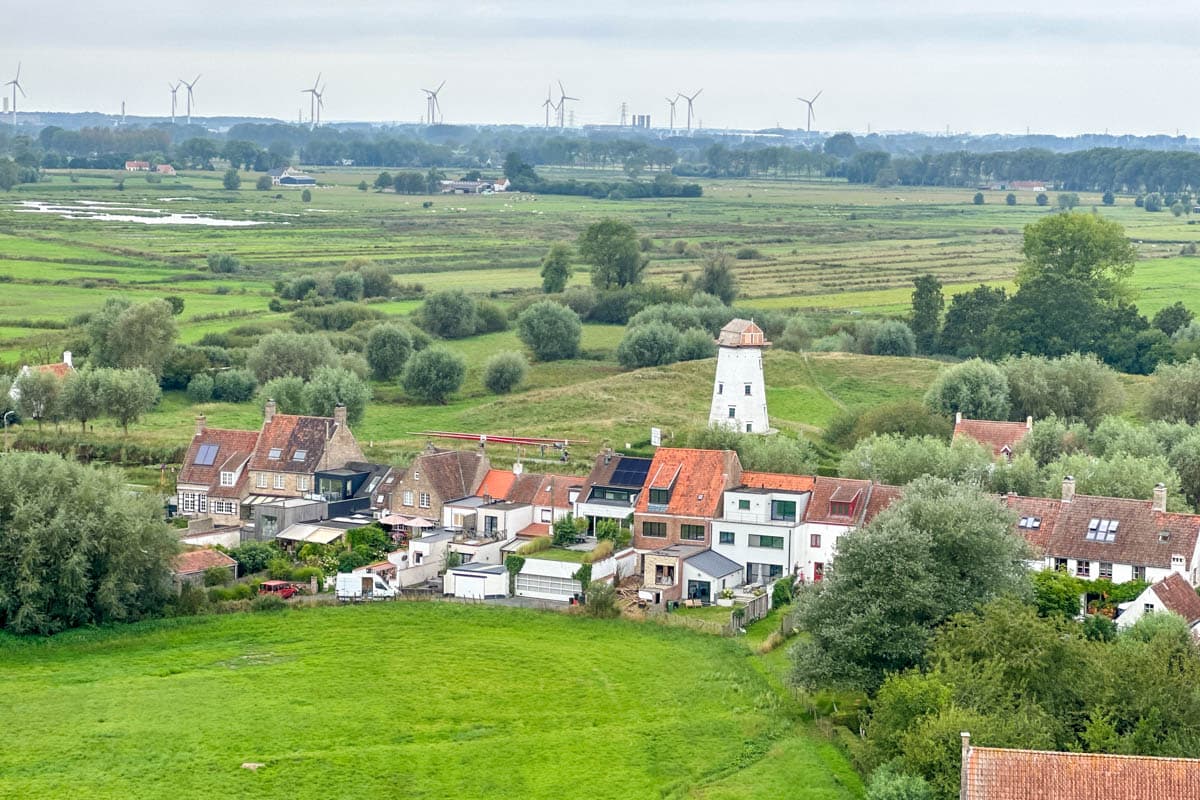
[656, 437]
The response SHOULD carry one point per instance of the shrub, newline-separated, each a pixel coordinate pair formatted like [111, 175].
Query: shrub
[224, 264]
[333, 386]
[449, 314]
[978, 199]
[504, 372]
[601, 600]
[348, 286]
[535, 545]
[893, 338]
[1010, 199]
[781, 593]
[216, 576]
[489, 317]
[288, 394]
[602, 550]
[200, 389]
[234, 386]
[263, 184]
[976, 388]
[651, 345]
[695, 344]
[550, 330]
[306, 196]
[268, 602]
[747, 254]
[580, 299]
[231, 180]
[434, 374]
[388, 349]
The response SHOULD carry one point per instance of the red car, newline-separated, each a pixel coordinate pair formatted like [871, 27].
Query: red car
[281, 588]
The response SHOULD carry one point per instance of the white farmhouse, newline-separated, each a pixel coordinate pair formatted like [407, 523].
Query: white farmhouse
[739, 394]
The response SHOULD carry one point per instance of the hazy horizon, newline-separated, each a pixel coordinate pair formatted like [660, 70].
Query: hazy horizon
[1066, 70]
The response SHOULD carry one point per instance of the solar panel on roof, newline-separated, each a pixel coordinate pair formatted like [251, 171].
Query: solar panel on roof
[630, 472]
[206, 455]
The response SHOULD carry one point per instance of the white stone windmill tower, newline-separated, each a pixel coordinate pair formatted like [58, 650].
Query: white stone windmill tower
[739, 394]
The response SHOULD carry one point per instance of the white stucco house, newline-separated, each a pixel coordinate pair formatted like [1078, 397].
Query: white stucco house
[1173, 594]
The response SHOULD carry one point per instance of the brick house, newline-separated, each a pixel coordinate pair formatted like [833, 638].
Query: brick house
[213, 480]
[611, 489]
[434, 478]
[1001, 438]
[291, 449]
[189, 566]
[682, 496]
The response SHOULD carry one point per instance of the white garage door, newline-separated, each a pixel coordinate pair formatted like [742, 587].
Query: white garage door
[547, 587]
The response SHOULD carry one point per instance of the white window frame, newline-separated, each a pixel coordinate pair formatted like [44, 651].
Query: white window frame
[302, 483]
[407, 498]
[279, 481]
[202, 503]
[547, 515]
[187, 502]
[228, 478]
[261, 482]
[426, 500]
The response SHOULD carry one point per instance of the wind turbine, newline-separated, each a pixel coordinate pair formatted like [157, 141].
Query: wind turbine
[809, 103]
[433, 109]
[312, 114]
[549, 104]
[690, 100]
[190, 100]
[15, 83]
[174, 92]
[671, 102]
[320, 104]
[562, 104]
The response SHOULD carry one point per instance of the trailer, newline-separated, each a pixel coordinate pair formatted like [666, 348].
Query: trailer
[355, 588]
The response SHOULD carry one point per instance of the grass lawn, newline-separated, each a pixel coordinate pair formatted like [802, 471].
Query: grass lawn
[431, 700]
[559, 554]
[712, 613]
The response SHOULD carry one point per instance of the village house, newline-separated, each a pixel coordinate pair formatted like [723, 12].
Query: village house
[1172, 595]
[166, 170]
[59, 370]
[292, 449]
[682, 496]
[993, 773]
[761, 523]
[291, 177]
[137, 166]
[214, 480]
[837, 507]
[434, 478]
[1001, 438]
[190, 566]
[611, 489]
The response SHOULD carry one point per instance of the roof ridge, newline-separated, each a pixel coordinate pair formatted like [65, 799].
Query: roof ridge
[1084, 755]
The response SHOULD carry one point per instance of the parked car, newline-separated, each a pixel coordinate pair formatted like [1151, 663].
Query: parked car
[280, 588]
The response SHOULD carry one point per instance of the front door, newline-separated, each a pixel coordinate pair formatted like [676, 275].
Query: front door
[699, 590]
[818, 571]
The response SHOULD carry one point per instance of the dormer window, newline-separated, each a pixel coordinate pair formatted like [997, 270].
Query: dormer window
[228, 478]
[839, 509]
[274, 454]
[660, 497]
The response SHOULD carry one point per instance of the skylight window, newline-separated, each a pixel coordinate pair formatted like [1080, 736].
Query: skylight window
[1102, 530]
[275, 454]
[1031, 523]
[206, 455]
[299, 455]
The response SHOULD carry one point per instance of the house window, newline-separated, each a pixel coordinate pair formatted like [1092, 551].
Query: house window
[839, 509]
[772, 542]
[425, 503]
[299, 455]
[203, 502]
[814, 540]
[227, 478]
[746, 387]
[763, 573]
[1147, 607]
[732, 412]
[408, 497]
[1083, 569]
[1060, 565]
[726, 537]
[417, 475]
[660, 497]
[692, 533]
[655, 530]
[1139, 573]
[188, 501]
[743, 505]
[547, 515]
[1176, 562]
[720, 388]
[783, 510]
[261, 481]
[1105, 570]
[302, 483]
[279, 481]
[749, 427]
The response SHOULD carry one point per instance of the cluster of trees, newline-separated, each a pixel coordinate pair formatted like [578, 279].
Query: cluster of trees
[524, 178]
[85, 395]
[359, 278]
[778, 453]
[1071, 297]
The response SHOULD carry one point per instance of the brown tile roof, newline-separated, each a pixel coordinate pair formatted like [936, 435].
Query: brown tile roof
[555, 490]
[290, 433]
[524, 488]
[1178, 596]
[827, 491]
[193, 561]
[452, 473]
[882, 495]
[233, 449]
[497, 483]
[1144, 537]
[533, 530]
[697, 479]
[60, 370]
[991, 434]
[991, 773]
[603, 473]
[1036, 519]
[777, 481]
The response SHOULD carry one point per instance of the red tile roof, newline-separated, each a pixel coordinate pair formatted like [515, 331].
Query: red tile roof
[995, 435]
[290, 433]
[534, 530]
[827, 491]
[451, 473]
[497, 483]
[1036, 519]
[697, 479]
[1144, 537]
[60, 370]
[193, 561]
[233, 450]
[880, 497]
[1178, 596]
[777, 481]
[991, 773]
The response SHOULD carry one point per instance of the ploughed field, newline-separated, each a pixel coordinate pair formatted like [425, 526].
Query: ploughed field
[419, 700]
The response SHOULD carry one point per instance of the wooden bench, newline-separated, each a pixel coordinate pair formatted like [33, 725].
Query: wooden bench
[693, 604]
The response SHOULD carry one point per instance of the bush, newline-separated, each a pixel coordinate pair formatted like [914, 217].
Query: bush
[449, 314]
[797, 335]
[434, 374]
[535, 545]
[223, 264]
[200, 389]
[253, 556]
[695, 344]
[504, 372]
[550, 330]
[216, 576]
[269, 602]
[333, 386]
[976, 388]
[601, 600]
[747, 254]
[489, 317]
[234, 386]
[1010, 199]
[306, 196]
[602, 550]
[978, 199]
[388, 349]
[580, 299]
[651, 345]
[288, 394]
[781, 593]
[231, 180]
[893, 338]
[348, 286]
[263, 184]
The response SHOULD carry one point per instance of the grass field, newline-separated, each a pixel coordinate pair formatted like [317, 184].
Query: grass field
[421, 700]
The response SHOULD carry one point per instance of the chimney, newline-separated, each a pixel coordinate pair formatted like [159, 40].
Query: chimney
[957, 417]
[1068, 493]
[202, 424]
[518, 468]
[1029, 422]
[67, 359]
[1160, 498]
[269, 410]
[966, 752]
[339, 415]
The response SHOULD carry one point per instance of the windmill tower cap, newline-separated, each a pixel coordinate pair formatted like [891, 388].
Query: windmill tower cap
[742, 333]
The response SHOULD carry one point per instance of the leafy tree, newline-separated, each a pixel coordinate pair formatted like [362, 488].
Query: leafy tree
[264, 183]
[384, 181]
[490, 317]
[388, 348]
[1068, 201]
[234, 385]
[433, 374]
[1042, 199]
[38, 395]
[893, 338]
[1152, 202]
[1074, 388]
[650, 345]
[306, 196]
[504, 372]
[556, 268]
[841, 145]
[894, 459]
[223, 263]
[888, 784]
[978, 199]
[939, 550]
[377, 281]
[717, 277]
[695, 344]
[1116, 475]
[82, 397]
[231, 180]
[126, 336]
[348, 286]
[288, 394]
[449, 314]
[566, 529]
[1010, 199]
[550, 330]
[612, 248]
[78, 547]
[278, 354]
[1055, 593]
[1172, 318]
[253, 556]
[1108, 199]
[908, 418]
[969, 320]
[601, 600]
[128, 394]
[1082, 247]
[331, 386]
[927, 304]
[200, 388]
[976, 388]
[176, 303]
[761, 453]
[1174, 392]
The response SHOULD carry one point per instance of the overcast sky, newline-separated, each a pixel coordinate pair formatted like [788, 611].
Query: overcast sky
[1064, 66]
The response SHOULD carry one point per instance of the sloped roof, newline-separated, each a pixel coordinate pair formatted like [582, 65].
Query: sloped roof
[292, 434]
[1144, 537]
[827, 491]
[996, 436]
[452, 473]
[233, 449]
[882, 495]
[714, 564]
[741, 333]
[497, 484]
[555, 490]
[193, 561]
[777, 481]
[991, 773]
[697, 479]
[1039, 515]
[1178, 596]
[59, 370]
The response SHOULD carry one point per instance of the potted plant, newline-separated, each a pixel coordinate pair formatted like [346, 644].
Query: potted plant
[725, 598]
